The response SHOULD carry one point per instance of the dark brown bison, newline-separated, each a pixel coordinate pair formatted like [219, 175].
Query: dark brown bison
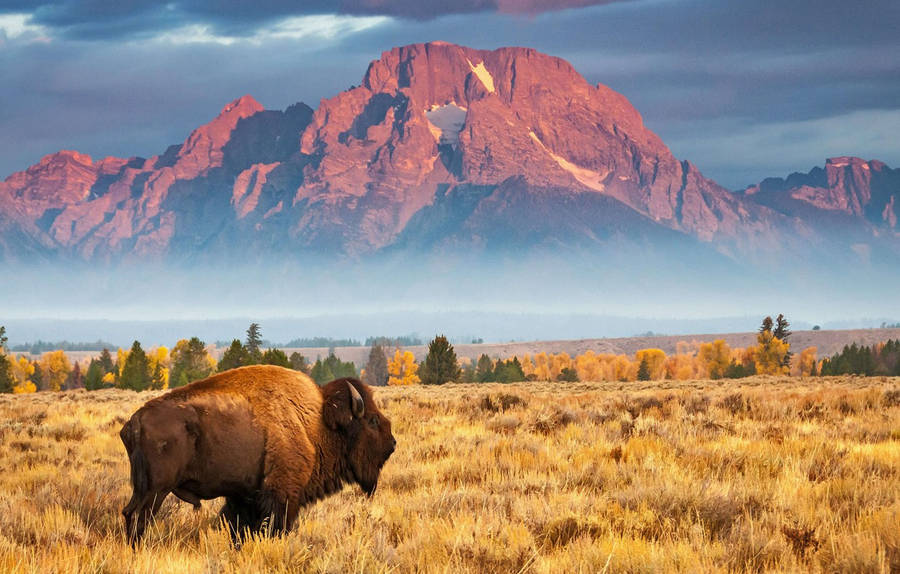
[266, 438]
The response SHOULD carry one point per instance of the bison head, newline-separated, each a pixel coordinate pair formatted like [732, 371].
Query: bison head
[351, 411]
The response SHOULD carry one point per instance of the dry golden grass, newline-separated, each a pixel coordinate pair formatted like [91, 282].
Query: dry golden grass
[762, 475]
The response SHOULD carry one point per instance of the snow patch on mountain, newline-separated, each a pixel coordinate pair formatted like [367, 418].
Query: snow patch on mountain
[481, 72]
[445, 122]
[587, 177]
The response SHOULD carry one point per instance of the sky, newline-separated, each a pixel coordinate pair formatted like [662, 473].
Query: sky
[743, 89]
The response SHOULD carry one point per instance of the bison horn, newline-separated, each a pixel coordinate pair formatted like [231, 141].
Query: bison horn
[356, 402]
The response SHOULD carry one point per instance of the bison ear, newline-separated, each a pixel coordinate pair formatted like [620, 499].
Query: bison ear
[343, 403]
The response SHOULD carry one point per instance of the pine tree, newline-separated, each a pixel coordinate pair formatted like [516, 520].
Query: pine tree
[7, 379]
[377, 367]
[484, 369]
[136, 370]
[190, 359]
[76, 378]
[254, 344]
[320, 372]
[235, 356]
[299, 362]
[38, 377]
[93, 380]
[440, 365]
[643, 373]
[782, 332]
[781, 328]
[766, 325]
[275, 357]
[106, 361]
[570, 375]
[157, 378]
[509, 371]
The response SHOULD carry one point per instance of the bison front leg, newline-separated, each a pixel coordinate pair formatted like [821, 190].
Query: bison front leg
[139, 512]
[280, 511]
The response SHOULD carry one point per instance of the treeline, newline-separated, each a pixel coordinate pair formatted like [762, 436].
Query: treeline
[190, 360]
[880, 359]
[39, 347]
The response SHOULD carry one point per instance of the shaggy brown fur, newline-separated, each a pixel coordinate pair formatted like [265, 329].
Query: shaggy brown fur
[266, 438]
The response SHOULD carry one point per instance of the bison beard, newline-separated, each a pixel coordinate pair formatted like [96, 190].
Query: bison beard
[268, 439]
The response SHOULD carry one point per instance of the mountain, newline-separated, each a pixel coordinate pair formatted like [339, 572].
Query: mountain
[440, 149]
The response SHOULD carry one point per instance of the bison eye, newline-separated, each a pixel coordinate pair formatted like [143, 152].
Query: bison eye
[373, 421]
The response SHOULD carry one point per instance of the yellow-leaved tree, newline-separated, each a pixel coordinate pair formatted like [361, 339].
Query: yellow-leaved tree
[805, 364]
[55, 369]
[770, 353]
[23, 370]
[715, 357]
[589, 367]
[656, 362]
[159, 367]
[541, 368]
[402, 369]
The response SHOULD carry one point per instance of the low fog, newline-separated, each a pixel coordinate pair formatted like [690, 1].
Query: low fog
[513, 298]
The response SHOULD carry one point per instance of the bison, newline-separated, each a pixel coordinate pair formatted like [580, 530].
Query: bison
[266, 438]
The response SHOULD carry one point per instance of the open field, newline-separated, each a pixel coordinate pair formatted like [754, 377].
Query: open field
[761, 474]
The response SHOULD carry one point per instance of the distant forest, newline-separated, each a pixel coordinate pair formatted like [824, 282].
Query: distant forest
[39, 347]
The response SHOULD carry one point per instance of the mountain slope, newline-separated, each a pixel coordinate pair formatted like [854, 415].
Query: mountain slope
[440, 149]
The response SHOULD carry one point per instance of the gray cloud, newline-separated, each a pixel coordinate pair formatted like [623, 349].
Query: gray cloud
[101, 19]
[740, 74]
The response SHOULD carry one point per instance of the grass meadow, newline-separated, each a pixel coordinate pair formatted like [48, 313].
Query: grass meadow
[762, 474]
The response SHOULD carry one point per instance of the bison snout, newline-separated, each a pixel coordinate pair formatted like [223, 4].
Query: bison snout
[393, 446]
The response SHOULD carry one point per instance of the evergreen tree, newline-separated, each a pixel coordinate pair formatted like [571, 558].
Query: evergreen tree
[190, 362]
[254, 344]
[782, 332]
[157, 377]
[570, 375]
[299, 362]
[234, 356]
[38, 376]
[766, 326]
[339, 368]
[320, 372]
[93, 379]
[136, 370]
[484, 369]
[377, 367]
[106, 361]
[643, 373]
[509, 371]
[276, 357]
[76, 378]
[7, 379]
[440, 365]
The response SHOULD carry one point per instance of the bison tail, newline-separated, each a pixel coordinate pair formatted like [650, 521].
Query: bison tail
[140, 469]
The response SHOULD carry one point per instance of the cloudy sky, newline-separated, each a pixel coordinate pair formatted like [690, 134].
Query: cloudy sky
[743, 89]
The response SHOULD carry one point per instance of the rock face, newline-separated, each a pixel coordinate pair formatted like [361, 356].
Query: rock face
[441, 148]
[850, 186]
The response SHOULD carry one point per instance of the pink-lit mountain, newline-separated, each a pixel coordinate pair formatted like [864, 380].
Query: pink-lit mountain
[441, 148]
